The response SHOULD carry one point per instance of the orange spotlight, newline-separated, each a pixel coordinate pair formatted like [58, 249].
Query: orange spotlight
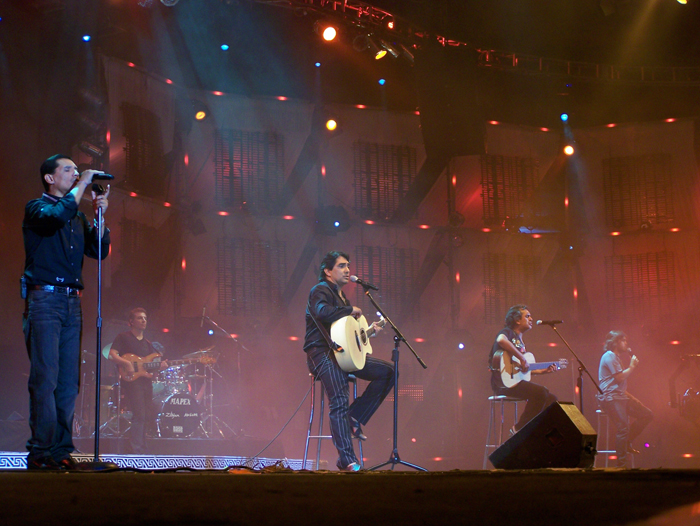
[614, 233]
[568, 149]
[331, 124]
[327, 30]
[675, 229]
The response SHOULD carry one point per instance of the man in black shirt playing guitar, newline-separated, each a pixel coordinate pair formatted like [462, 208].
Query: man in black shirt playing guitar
[137, 386]
[327, 304]
[508, 345]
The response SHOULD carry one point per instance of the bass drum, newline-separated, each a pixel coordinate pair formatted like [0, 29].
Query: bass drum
[179, 416]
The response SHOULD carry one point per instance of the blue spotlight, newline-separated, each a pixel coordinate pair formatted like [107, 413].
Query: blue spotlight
[86, 38]
[564, 117]
[210, 332]
[460, 346]
[224, 47]
[336, 224]
[382, 82]
[318, 64]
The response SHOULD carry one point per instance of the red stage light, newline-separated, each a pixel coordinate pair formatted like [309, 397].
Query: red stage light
[575, 293]
[494, 122]
[675, 342]
[536, 236]
[294, 338]
[168, 81]
[369, 222]
[675, 230]
[670, 120]
[288, 218]
[167, 205]
[281, 98]
[183, 264]
[222, 212]
[186, 160]
[544, 129]
[108, 136]
[165, 329]
[614, 233]
[457, 277]
[360, 106]
[131, 65]
[437, 459]
[611, 125]
[486, 230]
[424, 227]
[133, 194]
[218, 93]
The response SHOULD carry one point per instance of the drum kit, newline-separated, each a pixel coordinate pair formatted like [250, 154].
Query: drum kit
[183, 395]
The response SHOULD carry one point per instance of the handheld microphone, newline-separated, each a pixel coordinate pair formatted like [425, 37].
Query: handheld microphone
[363, 283]
[103, 177]
[551, 323]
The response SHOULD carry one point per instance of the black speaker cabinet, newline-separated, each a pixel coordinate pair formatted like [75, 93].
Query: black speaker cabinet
[559, 437]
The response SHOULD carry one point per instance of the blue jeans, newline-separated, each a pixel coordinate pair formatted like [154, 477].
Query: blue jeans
[620, 411]
[52, 327]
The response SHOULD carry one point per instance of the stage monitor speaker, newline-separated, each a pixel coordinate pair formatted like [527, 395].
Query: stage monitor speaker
[559, 437]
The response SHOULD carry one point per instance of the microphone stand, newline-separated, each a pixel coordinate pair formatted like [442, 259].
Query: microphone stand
[581, 369]
[398, 338]
[96, 464]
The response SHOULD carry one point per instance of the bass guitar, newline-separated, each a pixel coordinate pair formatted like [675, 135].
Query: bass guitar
[511, 369]
[353, 336]
[147, 366]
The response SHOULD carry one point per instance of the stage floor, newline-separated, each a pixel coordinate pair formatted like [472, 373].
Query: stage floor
[276, 495]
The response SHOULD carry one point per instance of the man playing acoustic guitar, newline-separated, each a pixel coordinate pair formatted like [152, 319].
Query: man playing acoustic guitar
[327, 304]
[510, 341]
[138, 390]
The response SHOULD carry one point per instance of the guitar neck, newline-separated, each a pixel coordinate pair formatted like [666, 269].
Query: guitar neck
[542, 365]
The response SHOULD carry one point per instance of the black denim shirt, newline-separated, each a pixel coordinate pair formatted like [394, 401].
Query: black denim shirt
[56, 237]
[327, 305]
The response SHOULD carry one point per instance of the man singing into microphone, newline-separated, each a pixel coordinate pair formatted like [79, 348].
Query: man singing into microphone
[510, 340]
[327, 304]
[615, 400]
[56, 237]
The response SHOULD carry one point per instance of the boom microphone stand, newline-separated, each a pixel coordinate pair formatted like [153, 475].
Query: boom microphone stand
[581, 369]
[398, 338]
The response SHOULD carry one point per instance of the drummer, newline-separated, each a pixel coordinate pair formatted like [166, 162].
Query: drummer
[137, 385]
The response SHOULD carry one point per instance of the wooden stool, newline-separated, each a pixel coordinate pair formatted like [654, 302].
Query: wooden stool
[491, 442]
[320, 436]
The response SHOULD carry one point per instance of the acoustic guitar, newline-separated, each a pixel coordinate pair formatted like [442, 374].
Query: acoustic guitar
[511, 369]
[353, 337]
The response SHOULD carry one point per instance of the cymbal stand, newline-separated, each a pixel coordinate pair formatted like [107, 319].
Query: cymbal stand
[213, 426]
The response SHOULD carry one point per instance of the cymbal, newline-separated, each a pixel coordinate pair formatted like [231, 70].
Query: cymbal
[206, 356]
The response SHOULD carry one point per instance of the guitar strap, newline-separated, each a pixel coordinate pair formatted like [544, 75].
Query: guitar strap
[334, 346]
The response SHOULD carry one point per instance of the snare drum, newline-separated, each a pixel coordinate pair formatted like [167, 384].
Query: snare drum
[179, 416]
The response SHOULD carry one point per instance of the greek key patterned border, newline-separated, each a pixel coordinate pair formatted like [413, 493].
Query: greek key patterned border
[15, 460]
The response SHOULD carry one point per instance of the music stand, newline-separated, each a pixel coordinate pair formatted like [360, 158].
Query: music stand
[394, 458]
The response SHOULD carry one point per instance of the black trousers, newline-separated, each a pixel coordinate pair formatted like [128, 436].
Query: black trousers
[323, 365]
[538, 398]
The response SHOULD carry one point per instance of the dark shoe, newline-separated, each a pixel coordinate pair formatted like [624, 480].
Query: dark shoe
[356, 429]
[68, 464]
[42, 464]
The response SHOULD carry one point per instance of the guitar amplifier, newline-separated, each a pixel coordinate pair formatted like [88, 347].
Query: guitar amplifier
[559, 437]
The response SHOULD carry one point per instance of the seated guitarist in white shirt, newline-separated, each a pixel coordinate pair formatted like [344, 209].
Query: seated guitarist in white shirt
[327, 304]
[510, 340]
